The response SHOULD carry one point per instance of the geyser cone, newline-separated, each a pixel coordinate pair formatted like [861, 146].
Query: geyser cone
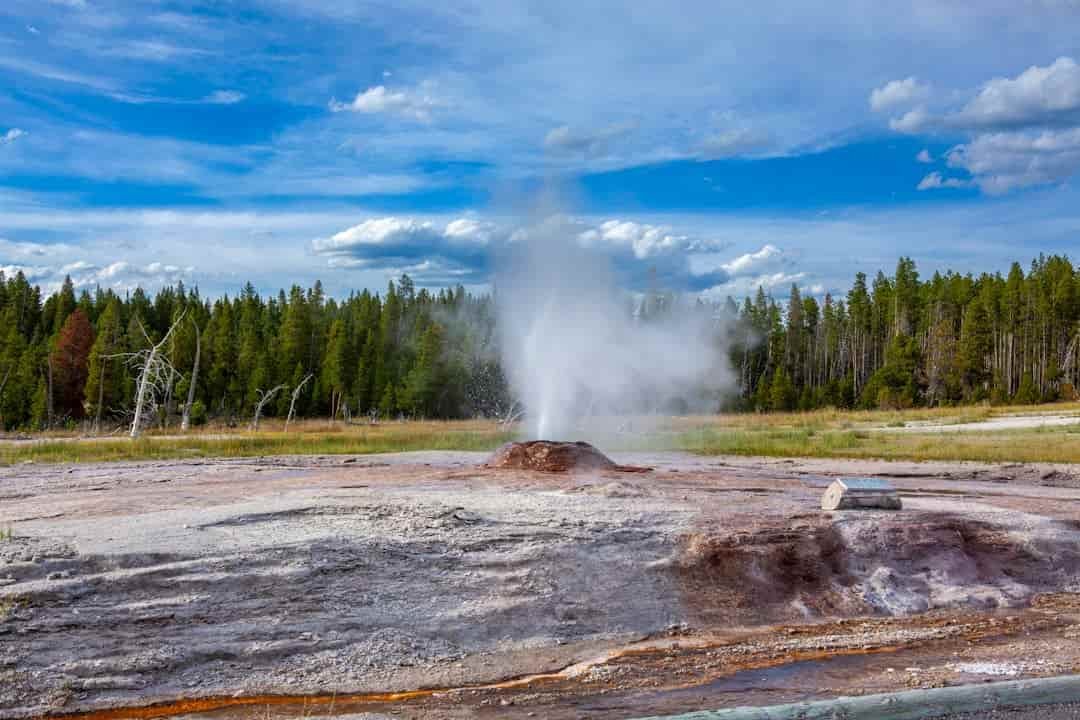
[550, 456]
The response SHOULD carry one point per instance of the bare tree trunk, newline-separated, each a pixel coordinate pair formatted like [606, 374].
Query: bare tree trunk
[100, 395]
[292, 403]
[49, 399]
[168, 404]
[263, 399]
[185, 422]
[2, 384]
[151, 374]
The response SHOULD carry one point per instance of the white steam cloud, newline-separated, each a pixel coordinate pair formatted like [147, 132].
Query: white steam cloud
[573, 348]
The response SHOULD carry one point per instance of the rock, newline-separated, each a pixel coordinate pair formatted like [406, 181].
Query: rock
[550, 456]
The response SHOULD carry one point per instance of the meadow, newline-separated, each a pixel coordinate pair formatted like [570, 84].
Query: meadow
[819, 433]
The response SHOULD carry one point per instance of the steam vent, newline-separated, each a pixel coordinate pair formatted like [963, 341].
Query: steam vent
[550, 456]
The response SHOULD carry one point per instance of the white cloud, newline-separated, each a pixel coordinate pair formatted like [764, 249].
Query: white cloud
[924, 156]
[898, 93]
[119, 275]
[735, 142]
[748, 284]
[416, 104]
[1004, 161]
[1023, 131]
[462, 249]
[752, 262]
[642, 240]
[913, 121]
[593, 142]
[935, 180]
[1039, 95]
[11, 136]
[11, 250]
[224, 97]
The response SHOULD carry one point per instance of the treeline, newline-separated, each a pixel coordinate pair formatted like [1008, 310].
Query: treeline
[68, 360]
[898, 341]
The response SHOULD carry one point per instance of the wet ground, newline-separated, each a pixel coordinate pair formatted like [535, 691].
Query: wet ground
[304, 586]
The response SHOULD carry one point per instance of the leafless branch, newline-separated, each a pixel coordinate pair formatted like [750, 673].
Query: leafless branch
[156, 376]
[295, 395]
[264, 397]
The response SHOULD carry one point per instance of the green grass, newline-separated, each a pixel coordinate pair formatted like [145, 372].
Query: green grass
[1051, 444]
[821, 433]
[6, 534]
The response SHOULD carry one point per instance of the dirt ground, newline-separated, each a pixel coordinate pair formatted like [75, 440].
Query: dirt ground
[1005, 422]
[423, 585]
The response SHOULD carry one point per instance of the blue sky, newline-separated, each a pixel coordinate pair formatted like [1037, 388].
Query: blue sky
[714, 146]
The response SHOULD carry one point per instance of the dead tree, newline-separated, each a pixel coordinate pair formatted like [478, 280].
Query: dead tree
[264, 397]
[295, 395]
[185, 421]
[49, 399]
[513, 414]
[2, 384]
[156, 375]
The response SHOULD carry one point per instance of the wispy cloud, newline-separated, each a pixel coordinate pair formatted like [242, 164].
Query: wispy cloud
[935, 181]
[591, 142]
[11, 136]
[224, 97]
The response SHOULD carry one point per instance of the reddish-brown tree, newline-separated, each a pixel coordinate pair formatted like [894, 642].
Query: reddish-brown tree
[70, 362]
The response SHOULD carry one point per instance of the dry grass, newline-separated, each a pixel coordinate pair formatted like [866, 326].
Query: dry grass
[309, 438]
[1052, 444]
[865, 434]
[821, 433]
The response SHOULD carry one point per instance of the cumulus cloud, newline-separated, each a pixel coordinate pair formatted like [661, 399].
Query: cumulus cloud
[924, 156]
[645, 255]
[898, 93]
[748, 284]
[753, 262]
[936, 180]
[465, 250]
[11, 136]
[1037, 96]
[437, 254]
[415, 104]
[1022, 131]
[118, 275]
[591, 142]
[913, 121]
[1004, 161]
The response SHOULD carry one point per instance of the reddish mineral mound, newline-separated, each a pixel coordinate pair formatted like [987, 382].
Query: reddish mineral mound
[550, 456]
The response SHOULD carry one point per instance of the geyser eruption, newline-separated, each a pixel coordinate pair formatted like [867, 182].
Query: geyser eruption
[575, 345]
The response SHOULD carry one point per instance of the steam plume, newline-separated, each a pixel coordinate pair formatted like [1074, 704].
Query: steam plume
[574, 347]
